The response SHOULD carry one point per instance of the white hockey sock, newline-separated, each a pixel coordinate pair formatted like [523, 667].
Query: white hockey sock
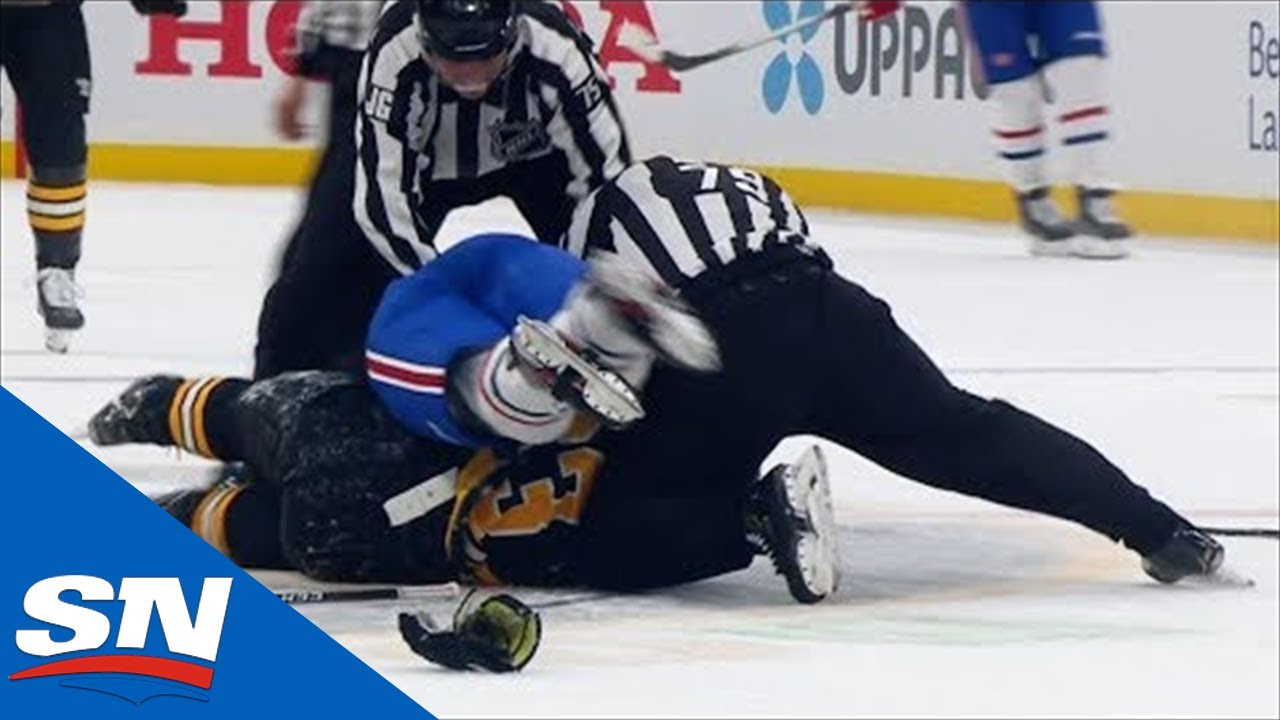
[1017, 127]
[508, 399]
[1083, 117]
[590, 319]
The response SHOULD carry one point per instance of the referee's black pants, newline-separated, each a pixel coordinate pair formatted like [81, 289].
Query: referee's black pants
[806, 351]
[316, 312]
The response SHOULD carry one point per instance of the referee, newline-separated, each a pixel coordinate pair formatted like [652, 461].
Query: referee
[460, 101]
[329, 46]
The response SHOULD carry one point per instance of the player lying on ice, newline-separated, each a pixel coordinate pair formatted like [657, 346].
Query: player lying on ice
[344, 492]
[341, 491]
[800, 350]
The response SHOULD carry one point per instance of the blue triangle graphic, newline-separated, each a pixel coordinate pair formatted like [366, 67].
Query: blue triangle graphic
[65, 513]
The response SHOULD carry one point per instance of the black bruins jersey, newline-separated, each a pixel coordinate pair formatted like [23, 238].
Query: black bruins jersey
[366, 501]
[514, 519]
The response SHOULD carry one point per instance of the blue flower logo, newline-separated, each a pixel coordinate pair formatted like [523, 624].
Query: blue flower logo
[777, 76]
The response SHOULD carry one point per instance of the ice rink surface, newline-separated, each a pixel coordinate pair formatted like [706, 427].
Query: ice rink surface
[1168, 362]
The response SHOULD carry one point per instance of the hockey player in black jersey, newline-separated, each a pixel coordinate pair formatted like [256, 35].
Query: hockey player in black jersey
[458, 102]
[44, 49]
[341, 492]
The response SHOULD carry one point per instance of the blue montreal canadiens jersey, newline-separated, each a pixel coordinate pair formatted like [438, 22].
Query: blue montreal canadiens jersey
[467, 298]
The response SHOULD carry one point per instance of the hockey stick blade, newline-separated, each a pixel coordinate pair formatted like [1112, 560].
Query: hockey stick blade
[644, 44]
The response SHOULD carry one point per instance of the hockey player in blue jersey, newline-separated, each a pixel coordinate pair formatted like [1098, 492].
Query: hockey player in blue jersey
[1028, 50]
[459, 318]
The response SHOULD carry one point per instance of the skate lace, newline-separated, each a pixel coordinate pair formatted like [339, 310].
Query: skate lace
[758, 533]
[58, 287]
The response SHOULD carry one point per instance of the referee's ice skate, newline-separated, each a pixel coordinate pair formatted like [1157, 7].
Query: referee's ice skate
[792, 522]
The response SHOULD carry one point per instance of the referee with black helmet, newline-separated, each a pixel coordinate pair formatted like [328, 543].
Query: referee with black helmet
[460, 101]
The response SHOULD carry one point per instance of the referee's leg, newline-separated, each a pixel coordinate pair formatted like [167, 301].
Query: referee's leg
[316, 312]
[890, 403]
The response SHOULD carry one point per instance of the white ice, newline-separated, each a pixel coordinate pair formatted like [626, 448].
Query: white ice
[1168, 362]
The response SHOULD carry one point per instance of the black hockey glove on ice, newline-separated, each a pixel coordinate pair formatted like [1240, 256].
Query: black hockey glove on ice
[177, 8]
[498, 634]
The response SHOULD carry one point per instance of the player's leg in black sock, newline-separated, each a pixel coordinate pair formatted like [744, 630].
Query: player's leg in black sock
[196, 414]
[240, 521]
[46, 57]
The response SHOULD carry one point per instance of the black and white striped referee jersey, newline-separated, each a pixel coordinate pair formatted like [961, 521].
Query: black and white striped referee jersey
[414, 130]
[681, 218]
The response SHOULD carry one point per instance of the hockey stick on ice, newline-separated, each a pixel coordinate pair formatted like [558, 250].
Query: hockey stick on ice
[646, 45]
[300, 596]
[1271, 533]
[445, 591]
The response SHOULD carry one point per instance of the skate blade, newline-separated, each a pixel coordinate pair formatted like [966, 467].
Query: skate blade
[809, 495]
[1051, 248]
[1093, 248]
[58, 341]
[604, 394]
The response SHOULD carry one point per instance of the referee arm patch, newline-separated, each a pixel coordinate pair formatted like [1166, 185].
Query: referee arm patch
[587, 96]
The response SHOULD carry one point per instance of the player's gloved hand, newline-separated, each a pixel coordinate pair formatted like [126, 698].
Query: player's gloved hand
[177, 8]
[498, 633]
[871, 10]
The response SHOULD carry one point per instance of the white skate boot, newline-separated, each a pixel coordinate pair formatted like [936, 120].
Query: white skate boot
[792, 521]
[57, 295]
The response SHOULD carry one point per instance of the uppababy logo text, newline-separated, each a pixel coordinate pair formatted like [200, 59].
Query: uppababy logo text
[133, 676]
[916, 54]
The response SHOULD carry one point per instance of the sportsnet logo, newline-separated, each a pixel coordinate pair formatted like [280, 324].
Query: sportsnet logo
[134, 676]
